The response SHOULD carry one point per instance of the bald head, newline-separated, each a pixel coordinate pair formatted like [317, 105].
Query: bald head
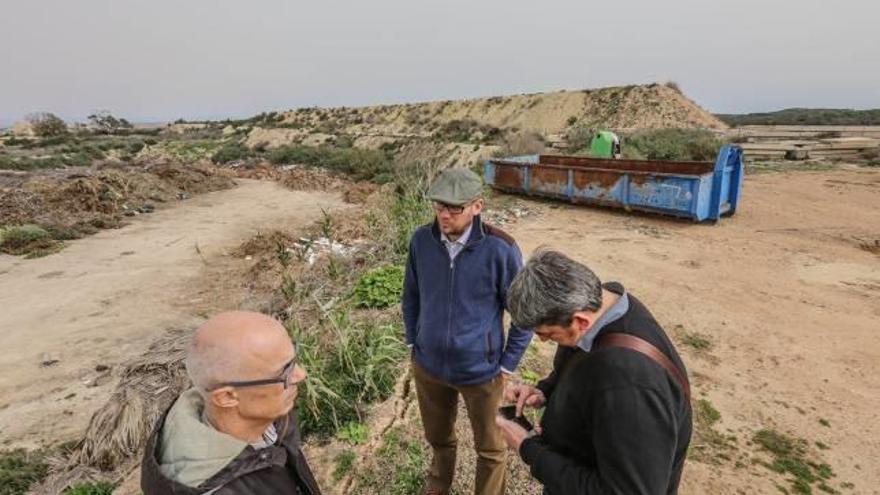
[237, 346]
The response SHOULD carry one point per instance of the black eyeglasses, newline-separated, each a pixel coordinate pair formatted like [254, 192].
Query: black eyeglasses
[452, 209]
[283, 378]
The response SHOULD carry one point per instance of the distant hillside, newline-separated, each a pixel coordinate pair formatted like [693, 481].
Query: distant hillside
[628, 107]
[805, 116]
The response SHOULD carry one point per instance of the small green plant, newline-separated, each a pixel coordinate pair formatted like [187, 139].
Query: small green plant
[706, 412]
[790, 457]
[380, 287]
[231, 152]
[327, 224]
[354, 433]
[401, 466]
[20, 469]
[344, 463]
[282, 253]
[91, 488]
[25, 239]
[288, 287]
[694, 340]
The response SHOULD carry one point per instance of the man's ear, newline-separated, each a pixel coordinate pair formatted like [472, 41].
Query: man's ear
[478, 206]
[224, 397]
[582, 321]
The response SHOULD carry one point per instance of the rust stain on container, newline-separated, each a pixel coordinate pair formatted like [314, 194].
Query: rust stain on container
[586, 178]
[640, 179]
[509, 176]
[549, 178]
[655, 166]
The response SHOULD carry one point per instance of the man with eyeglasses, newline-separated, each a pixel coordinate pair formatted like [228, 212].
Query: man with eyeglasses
[457, 274]
[234, 432]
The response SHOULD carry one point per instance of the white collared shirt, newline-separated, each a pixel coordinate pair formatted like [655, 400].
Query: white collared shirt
[455, 247]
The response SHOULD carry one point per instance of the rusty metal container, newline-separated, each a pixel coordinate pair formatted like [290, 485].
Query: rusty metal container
[700, 191]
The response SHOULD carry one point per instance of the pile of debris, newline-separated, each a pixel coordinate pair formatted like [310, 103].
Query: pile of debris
[76, 202]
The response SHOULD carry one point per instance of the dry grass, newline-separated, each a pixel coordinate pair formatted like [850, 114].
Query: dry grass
[118, 431]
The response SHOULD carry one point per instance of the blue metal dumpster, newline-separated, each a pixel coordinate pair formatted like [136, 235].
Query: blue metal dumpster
[699, 191]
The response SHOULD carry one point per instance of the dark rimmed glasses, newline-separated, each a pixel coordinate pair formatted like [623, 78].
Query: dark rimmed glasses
[452, 209]
[283, 378]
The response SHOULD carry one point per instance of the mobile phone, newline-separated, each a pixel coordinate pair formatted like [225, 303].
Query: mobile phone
[509, 412]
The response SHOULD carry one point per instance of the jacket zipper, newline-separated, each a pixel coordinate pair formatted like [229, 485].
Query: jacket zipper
[489, 350]
[449, 315]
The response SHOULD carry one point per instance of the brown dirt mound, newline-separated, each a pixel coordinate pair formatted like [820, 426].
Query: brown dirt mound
[651, 106]
[100, 196]
[301, 179]
[308, 179]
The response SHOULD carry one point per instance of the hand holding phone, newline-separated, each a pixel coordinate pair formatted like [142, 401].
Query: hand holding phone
[509, 413]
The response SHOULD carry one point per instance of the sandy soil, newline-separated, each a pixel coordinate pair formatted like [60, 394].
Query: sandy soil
[788, 291]
[69, 320]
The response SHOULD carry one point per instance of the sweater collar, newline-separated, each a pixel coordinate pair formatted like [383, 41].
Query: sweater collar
[475, 235]
[614, 313]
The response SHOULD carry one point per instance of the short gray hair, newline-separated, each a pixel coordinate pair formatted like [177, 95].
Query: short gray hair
[209, 364]
[550, 288]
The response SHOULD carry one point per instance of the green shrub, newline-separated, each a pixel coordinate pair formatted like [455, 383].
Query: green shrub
[91, 488]
[231, 152]
[357, 163]
[805, 116]
[344, 462]
[19, 470]
[46, 124]
[672, 144]
[380, 287]
[24, 239]
[356, 367]
[135, 147]
[17, 141]
[29, 163]
[354, 433]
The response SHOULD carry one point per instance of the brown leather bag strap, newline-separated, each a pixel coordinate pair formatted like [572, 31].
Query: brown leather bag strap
[643, 346]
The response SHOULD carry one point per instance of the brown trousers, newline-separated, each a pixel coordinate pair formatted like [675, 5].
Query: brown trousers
[438, 403]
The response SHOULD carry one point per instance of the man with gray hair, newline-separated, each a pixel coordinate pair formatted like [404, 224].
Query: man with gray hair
[618, 414]
[235, 431]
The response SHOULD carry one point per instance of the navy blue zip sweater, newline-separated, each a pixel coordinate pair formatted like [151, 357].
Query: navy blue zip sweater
[453, 309]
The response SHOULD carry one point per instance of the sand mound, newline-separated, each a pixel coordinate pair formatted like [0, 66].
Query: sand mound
[628, 107]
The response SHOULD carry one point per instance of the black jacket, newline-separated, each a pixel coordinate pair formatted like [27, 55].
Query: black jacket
[615, 420]
[280, 468]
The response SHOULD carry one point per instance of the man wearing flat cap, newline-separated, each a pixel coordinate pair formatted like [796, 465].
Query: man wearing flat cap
[457, 275]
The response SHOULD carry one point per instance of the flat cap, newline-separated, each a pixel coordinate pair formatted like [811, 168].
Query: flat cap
[456, 186]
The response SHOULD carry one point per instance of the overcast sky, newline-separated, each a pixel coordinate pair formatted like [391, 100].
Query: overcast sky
[164, 59]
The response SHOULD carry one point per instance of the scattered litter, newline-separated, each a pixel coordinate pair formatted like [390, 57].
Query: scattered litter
[311, 250]
[508, 214]
[49, 363]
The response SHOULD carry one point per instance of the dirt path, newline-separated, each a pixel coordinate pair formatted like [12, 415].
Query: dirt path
[68, 316]
[788, 293]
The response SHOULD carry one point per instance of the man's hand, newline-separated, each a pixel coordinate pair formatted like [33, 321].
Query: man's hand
[514, 434]
[524, 395]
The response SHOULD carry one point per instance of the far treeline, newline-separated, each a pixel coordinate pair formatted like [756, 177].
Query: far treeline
[805, 116]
